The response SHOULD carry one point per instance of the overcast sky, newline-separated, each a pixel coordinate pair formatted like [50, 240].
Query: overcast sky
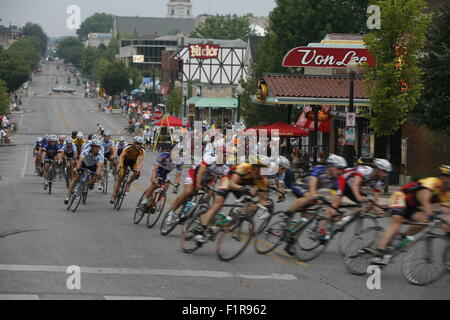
[51, 14]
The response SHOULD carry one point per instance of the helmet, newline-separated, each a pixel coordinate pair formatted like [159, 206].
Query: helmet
[62, 137]
[139, 139]
[80, 135]
[53, 138]
[260, 161]
[365, 161]
[445, 170]
[90, 136]
[336, 161]
[39, 139]
[284, 162]
[69, 141]
[74, 134]
[382, 164]
[96, 142]
[107, 133]
[121, 139]
[46, 135]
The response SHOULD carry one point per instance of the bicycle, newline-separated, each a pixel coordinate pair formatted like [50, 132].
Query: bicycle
[308, 243]
[426, 259]
[154, 206]
[184, 213]
[81, 190]
[67, 172]
[104, 182]
[52, 172]
[236, 229]
[122, 189]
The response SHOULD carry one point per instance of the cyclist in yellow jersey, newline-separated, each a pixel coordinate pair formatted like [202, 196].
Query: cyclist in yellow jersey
[238, 181]
[78, 142]
[415, 202]
[133, 157]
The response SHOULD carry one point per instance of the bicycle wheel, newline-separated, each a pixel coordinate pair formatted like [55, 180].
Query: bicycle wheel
[85, 194]
[188, 243]
[120, 200]
[235, 239]
[119, 196]
[424, 262]
[50, 180]
[138, 213]
[79, 197]
[105, 182]
[356, 260]
[308, 245]
[447, 259]
[270, 238]
[157, 208]
[354, 228]
[167, 227]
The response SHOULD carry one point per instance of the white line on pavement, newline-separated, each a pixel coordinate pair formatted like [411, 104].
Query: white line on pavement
[149, 272]
[19, 297]
[25, 164]
[107, 121]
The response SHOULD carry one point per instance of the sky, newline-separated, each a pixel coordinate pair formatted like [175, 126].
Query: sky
[52, 14]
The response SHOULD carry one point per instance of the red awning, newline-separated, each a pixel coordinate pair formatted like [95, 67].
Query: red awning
[303, 122]
[284, 129]
[170, 121]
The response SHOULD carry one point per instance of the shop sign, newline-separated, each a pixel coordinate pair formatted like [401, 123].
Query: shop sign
[204, 51]
[326, 57]
[322, 115]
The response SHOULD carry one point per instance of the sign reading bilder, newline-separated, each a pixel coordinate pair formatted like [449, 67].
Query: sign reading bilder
[204, 51]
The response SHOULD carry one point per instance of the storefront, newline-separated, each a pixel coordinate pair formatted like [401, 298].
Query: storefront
[217, 111]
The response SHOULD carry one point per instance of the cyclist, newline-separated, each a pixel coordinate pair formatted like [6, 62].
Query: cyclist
[69, 154]
[108, 146]
[413, 202]
[37, 153]
[74, 134]
[120, 145]
[79, 142]
[132, 157]
[92, 159]
[198, 177]
[320, 177]
[284, 177]
[160, 170]
[242, 179]
[62, 139]
[50, 151]
[351, 183]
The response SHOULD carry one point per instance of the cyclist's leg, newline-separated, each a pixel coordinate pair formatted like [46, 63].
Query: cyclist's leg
[188, 190]
[46, 168]
[73, 183]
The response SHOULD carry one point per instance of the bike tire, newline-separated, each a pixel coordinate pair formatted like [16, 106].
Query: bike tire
[85, 194]
[356, 260]
[154, 215]
[120, 201]
[105, 182]
[424, 262]
[270, 238]
[307, 246]
[354, 228]
[238, 235]
[138, 214]
[167, 228]
[79, 198]
[188, 244]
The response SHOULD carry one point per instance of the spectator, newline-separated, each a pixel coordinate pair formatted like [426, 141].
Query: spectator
[4, 137]
[5, 122]
[148, 137]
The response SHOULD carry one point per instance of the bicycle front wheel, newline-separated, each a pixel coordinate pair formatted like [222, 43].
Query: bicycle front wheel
[105, 182]
[270, 238]
[155, 213]
[356, 227]
[79, 197]
[138, 213]
[309, 246]
[424, 262]
[235, 239]
[188, 242]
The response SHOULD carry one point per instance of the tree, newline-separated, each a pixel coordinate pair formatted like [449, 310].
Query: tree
[35, 30]
[115, 78]
[14, 71]
[434, 107]
[29, 49]
[99, 22]
[393, 84]
[70, 49]
[227, 27]
[88, 60]
[4, 98]
[173, 104]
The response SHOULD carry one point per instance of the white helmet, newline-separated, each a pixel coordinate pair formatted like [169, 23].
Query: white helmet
[107, 133]
[139, 139]
[337, 161]
[382, 164]
[284, 162]
[96, 142]
[39, 139]
[69, 141]
[262, 161]
[53, 138]
[209, 158]
[80, 135]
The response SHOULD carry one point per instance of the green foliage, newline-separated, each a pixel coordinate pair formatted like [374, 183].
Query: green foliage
[35, 30]
[173, 104]
[14, 71]
[4, 97]
[99, 22]
[88, 61]
[403, 24]
[27, 48]
[433, 110]
[71, 50]
[136, 76]
[114, 78]
[227, 27]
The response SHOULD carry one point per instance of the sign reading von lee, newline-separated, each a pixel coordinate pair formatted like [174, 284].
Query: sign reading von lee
[326, 57]
[204, 51]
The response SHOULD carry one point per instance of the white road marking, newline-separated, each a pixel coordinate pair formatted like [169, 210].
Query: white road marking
[131, 298]
[107, 121]
[149, 272]
[25, 164]
[19, 297]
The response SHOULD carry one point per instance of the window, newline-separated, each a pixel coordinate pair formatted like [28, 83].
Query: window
[173, 12]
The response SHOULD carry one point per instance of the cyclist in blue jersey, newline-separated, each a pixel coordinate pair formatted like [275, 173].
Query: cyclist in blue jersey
[160, 170]
[109, 149]
[50, 151]
[69, 153]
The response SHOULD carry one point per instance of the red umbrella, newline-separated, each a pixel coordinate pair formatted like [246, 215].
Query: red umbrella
[170, 121]
[284, 129]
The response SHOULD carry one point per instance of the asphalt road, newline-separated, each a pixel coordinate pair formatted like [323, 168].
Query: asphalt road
[39, 239]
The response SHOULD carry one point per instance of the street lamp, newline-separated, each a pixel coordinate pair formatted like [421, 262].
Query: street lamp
[349, 153]
[239, 91]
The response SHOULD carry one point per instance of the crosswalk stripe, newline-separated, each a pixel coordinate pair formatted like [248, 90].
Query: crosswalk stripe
[150, 272]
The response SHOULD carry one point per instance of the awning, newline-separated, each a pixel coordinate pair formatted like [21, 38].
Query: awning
[284, 129]
[206, 102]
[170, 121]
[305, 123]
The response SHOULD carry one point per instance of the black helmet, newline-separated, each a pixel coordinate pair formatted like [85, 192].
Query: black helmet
[74, 134]
[90, 137]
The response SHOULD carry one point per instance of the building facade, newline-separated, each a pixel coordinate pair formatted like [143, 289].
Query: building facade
[181, 9]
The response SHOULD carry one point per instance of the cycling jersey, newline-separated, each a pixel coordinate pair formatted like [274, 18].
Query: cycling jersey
[131, 153]
[366, 174]
[165, 165]
[51, 151]
[244, 170]
[87, 146]
[213, 171]
[69, 151]
[435, 185]
[120, 147]
[91, 160]
[108, 145]
[79, 143]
